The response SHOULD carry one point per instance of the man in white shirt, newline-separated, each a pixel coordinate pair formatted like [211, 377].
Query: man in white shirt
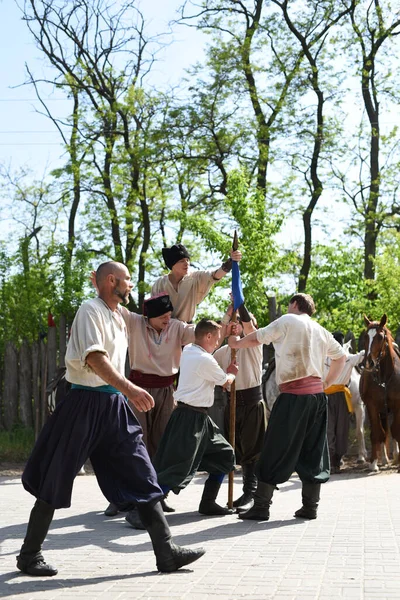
[95, 421]
[339, 406]
[188, 288]
[295, 439]
[191, 441]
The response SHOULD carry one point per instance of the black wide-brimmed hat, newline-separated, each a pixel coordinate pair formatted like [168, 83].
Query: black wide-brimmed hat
[157, 306]
[174, 254]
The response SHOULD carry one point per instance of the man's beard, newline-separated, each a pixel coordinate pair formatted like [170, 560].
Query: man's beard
[124, 297]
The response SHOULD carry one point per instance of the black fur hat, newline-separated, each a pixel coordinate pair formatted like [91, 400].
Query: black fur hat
[157, 306]
[174, 254]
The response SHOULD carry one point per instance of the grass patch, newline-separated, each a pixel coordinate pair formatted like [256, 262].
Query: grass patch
[16, 445]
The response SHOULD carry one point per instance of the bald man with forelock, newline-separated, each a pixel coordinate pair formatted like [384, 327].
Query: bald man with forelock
[95, 420]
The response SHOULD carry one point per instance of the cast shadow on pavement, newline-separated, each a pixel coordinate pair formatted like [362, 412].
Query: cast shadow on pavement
[112, 533]
[10, 586]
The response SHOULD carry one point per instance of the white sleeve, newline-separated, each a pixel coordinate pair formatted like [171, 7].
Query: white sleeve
[209, 369]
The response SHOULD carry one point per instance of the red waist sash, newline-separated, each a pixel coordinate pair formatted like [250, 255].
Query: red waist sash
[303, 386]
[147, 380]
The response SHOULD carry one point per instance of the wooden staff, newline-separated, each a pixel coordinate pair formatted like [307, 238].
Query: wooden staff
[232, 403]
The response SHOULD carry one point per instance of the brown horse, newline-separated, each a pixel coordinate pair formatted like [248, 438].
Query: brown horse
[380, 388]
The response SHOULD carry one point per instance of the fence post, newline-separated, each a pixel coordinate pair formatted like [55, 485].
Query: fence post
[36, 385]
[10, 398]
[43, 383]
[25, 385]
[62, 343]
[51, 353]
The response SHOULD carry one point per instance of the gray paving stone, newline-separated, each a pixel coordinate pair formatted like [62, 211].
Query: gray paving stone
[352, 551]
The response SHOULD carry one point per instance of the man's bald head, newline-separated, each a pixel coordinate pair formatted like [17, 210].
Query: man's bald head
[109, 268]
[114, 283]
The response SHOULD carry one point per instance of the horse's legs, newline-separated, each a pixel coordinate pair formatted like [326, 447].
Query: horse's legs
[359, 412]
[395, 429]
[377, 437]
[385, 447]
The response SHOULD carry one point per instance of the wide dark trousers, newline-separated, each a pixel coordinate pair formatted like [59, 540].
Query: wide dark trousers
[250, 424]
[295, 440]
[101, 426]
[154, 421]
[191, 442]
[338, 427]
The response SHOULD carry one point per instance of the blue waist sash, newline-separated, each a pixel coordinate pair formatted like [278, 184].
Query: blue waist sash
[109, 389]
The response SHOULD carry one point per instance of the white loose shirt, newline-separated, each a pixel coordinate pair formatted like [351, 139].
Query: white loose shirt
[152, 352]
[96, 328]
[249, 361]
[301, 346]
[199, 374]
[192, 289]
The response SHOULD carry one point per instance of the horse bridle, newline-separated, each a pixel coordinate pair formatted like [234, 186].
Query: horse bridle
[375, 371]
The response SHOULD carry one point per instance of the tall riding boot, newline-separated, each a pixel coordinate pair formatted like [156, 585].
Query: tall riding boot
[208, 506]
[133, 518]
[262, 502]
[30, 559]
[249, 488]
[111, 510]
[165, 506]
[169, 556]
[310, 495]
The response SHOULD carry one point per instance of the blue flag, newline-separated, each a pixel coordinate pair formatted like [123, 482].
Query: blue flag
[237, 290]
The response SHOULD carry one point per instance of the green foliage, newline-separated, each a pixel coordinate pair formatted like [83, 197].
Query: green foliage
[387, 281]
[29, 294]
[16, 445]
[336, 283]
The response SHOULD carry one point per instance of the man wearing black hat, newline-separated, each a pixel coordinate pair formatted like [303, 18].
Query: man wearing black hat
[155, 344]
[155, 349]
[187, 289]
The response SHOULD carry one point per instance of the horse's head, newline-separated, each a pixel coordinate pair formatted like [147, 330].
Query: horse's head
[374, 340]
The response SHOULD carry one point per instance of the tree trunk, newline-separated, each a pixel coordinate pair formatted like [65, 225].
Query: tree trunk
[10, 398]
[25, 385]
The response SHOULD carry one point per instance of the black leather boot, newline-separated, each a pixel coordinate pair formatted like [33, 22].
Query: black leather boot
[134, 520]
[310, 494]
[208, 506]
[111, 510]
[169, 556]
[30, 559]
[262, 501]
[249, 487]
[165, 506]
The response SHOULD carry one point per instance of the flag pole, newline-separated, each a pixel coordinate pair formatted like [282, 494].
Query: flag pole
[232, 402]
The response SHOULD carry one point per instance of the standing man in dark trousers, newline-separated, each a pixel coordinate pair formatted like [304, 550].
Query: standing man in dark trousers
[339, 407]
[95, 421]
[251, 419]
[295, 440]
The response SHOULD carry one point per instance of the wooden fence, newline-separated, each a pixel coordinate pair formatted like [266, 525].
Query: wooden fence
[25, 376]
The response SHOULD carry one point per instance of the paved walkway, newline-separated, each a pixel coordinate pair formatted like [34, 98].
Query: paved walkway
[351, 551]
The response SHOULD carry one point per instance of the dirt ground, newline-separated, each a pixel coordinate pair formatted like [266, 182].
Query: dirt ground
[350, 461]
[8, 469]
[350, 466]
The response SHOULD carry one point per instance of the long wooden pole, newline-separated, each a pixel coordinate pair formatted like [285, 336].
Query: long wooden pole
[232, 402]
